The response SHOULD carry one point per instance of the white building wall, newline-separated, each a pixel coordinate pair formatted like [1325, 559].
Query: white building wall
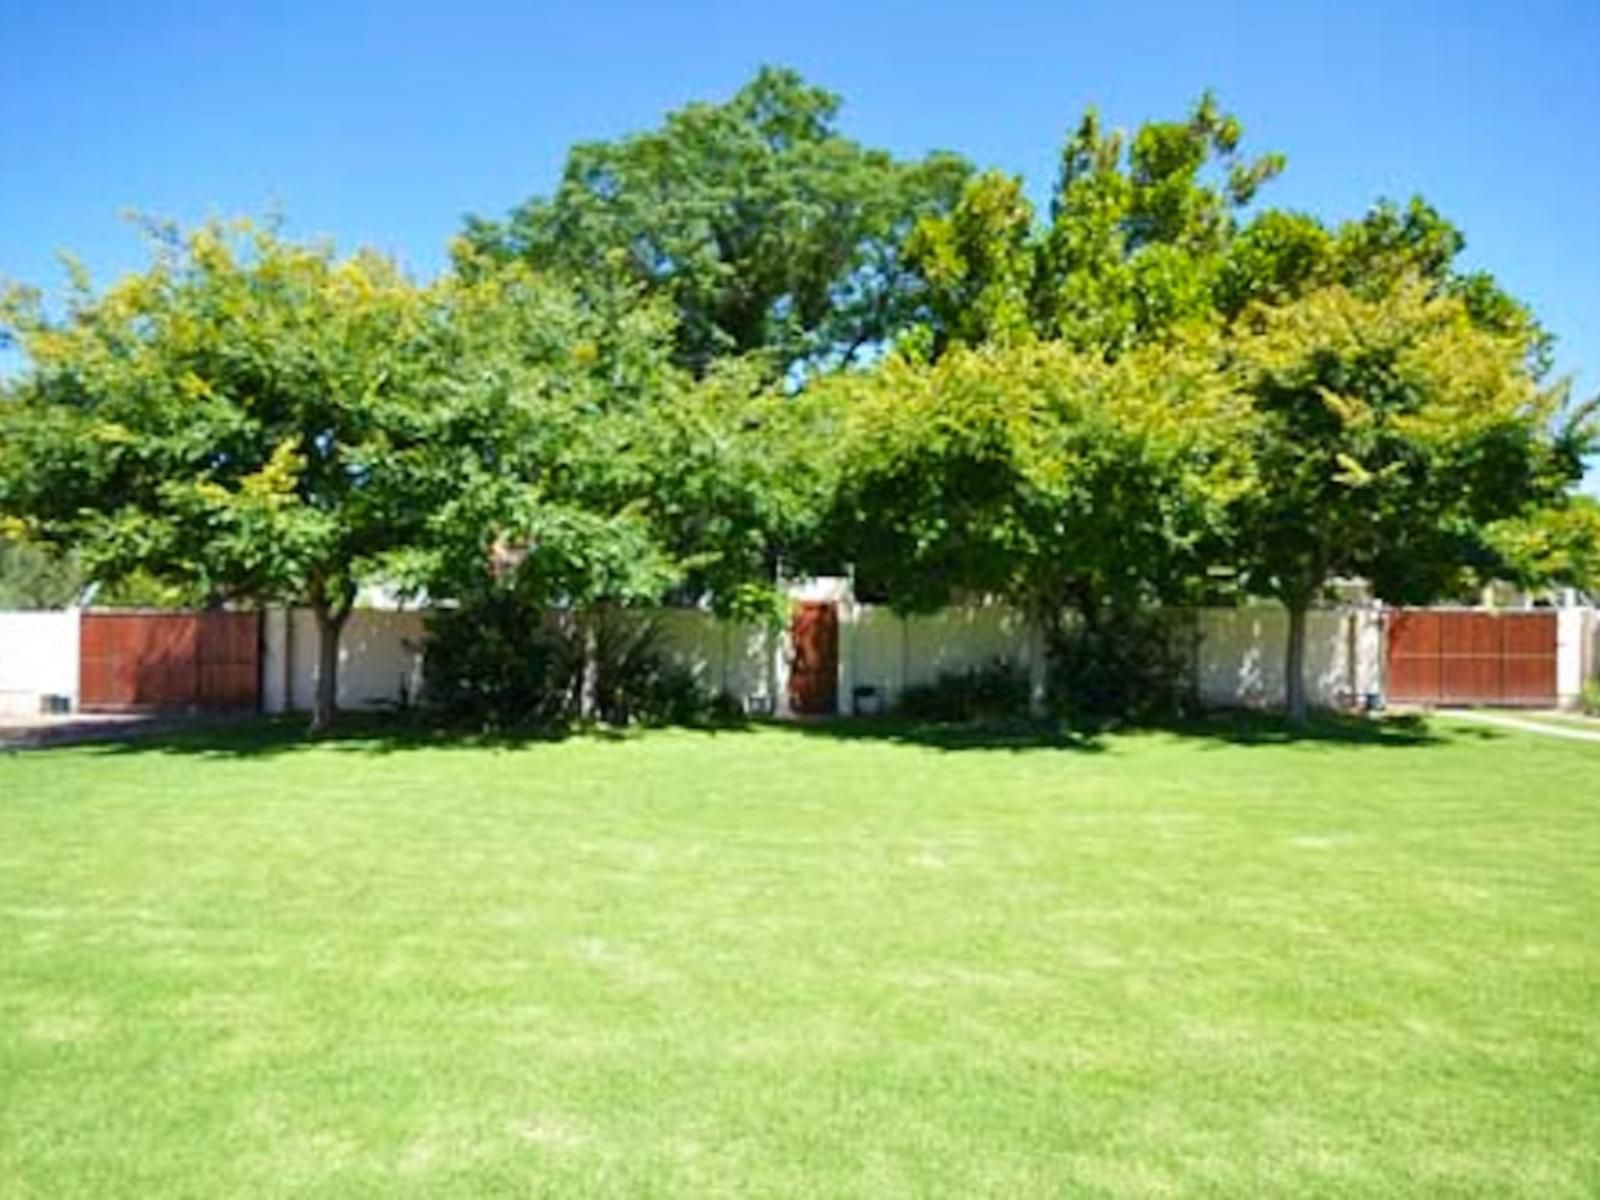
[1238, 655]
[38, 658]
[737, 658]
[1239, 658]
[890, 653]
[1577, 640]
[380, 659]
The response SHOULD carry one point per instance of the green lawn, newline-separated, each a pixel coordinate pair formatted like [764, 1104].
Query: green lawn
[798, 963]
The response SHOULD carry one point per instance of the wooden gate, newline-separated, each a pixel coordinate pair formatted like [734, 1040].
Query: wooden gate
[138, 660]
[814, 673]
[1490, 658]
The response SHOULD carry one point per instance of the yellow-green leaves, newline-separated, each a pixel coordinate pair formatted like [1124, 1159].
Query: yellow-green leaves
[275, 482]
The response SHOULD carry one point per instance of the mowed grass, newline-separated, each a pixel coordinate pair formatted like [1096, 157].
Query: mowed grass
[790, 962]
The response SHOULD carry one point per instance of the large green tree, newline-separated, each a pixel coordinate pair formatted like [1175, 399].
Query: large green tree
[1396, 402]
[1133, 247]
[241, 417]
[766, 228]
[1079, 490]
[593, 473]
[1401, 404]
[1389, 434]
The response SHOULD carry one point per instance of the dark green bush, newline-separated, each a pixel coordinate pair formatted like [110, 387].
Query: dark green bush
[995, 692]
[1128, 665]
[496, 662]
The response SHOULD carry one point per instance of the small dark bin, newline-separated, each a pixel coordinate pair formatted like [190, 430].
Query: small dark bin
[866, 700]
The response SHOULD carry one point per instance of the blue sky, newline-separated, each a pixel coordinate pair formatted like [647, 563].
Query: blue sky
[384, 123]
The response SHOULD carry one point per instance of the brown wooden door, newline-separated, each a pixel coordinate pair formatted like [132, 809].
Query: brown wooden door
[814, 673]
[1445, 657]
[228, 663]
[152, 660]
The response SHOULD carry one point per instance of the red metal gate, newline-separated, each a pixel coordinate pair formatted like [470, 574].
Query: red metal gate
[134, 660]
[1490, 658]
[814, 674]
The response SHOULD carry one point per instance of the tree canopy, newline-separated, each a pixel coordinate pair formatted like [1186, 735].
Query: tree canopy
[992, 471]
[765, 227]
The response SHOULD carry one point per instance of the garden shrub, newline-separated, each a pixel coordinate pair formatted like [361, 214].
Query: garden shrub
[1591, 698]
[636, 683]
[494, 661]
[499, 663]
[1126, 665]
[994, 692]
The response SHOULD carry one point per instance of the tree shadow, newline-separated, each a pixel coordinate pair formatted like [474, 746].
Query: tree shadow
[1013, 735]
[395, 733]
[1230, 727]
[364, 733]
[1249, 727]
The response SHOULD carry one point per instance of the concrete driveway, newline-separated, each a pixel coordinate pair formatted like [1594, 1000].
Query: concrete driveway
[37, 732]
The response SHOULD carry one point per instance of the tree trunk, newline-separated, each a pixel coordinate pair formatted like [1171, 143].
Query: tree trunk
[325, 703]
[589, 667]
[1294, 669]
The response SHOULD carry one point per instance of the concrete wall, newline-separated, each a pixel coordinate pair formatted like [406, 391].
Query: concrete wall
[747, 662]
[1239, 656]
[1577, 653]
[38, 657]
[380, 659]
[890, 653]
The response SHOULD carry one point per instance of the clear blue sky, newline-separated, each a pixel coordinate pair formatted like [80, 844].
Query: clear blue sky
[383, 123]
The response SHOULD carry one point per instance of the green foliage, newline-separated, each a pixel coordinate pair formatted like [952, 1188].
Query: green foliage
[1121, 663]
[36, 577]
[996, 472]
[500, 664]
[736, 478]
[1390, 431]
[1133, 251]
[1591, 698]
[1557, 545]
[977, 264]
[238, 415]
[496, 663]
[997, 691]
[1136, 234]
[619, 395]
[141, 589]
[766, 229]
[242, 417]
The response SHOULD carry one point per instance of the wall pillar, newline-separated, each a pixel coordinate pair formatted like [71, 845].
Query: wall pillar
[1572, 651]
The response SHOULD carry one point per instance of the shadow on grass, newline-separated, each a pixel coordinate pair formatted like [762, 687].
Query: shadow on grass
[395, 734]
[365, 733]
[1223, 728]
[1241, 727]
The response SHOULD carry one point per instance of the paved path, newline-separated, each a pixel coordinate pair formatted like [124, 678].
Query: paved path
[32, 733]
[1506, 721]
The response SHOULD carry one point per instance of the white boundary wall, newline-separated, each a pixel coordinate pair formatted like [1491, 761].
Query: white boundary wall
[1237, 654]
[38, 658]
[380, 659]
[890, 653]
[749, 662]
[1577, 653]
